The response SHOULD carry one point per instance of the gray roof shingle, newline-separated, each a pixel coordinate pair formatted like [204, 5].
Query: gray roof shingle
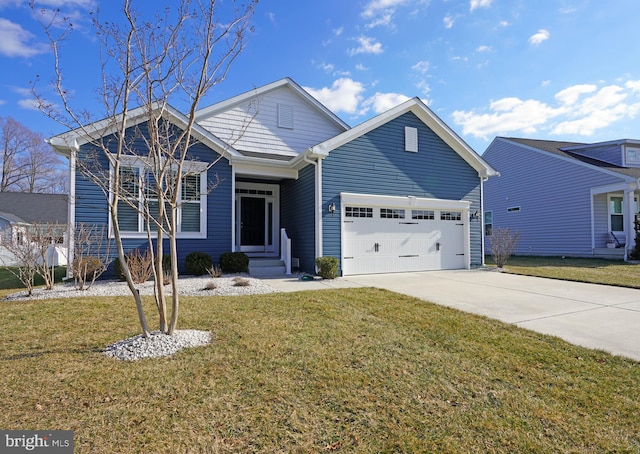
[30, 207]
[556, 147]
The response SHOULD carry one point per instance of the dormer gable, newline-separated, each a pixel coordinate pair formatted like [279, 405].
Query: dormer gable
[280, 118]
[621, 153]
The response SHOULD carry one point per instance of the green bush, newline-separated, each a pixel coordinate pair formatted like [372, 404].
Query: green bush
[234, 262]
[197, 263]
[327, 267]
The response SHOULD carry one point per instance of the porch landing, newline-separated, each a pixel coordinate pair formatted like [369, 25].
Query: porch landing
[609, 253]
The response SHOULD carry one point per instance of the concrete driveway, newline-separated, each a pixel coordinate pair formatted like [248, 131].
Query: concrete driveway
[594, 316]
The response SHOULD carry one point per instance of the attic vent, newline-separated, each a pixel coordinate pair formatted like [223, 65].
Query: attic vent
[285, 116]
[410, 139]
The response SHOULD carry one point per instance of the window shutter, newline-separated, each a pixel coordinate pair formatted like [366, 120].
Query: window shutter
[285, 116]
[411, 139]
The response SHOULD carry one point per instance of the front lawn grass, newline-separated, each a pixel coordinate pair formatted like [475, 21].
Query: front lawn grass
[350, 370]
[8, 279]
[595, 271]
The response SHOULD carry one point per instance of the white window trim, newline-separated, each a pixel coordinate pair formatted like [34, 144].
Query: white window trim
[189, 167]
[631, 162]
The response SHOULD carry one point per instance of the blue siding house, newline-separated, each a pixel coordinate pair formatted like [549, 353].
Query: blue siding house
[564, 198]
[399, 192]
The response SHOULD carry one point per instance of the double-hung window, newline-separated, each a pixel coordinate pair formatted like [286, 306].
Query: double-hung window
[138, 195]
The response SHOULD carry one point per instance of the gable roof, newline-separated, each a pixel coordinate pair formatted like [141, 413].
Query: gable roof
[569, 150]
[23, 207]
[260, 91]
[430, 119]
[71, 140]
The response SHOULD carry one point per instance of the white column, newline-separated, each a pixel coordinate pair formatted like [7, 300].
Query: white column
[629, 227]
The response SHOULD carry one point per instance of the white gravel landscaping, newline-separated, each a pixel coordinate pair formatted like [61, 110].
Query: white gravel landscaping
[193, 286]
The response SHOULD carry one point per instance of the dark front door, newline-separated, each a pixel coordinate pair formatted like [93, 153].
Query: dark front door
[252, 224]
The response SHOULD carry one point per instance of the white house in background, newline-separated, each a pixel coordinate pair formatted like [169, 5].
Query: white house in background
[20, 210]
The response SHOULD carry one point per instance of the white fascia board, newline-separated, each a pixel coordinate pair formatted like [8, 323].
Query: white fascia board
[72, 140]
[616, 187]
[430, 119]
[251, 167]
[403, 201]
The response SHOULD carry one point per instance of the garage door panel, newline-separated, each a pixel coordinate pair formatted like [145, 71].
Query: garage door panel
[381, 245]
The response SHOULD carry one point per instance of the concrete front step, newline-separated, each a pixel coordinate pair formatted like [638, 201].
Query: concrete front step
[266, 267]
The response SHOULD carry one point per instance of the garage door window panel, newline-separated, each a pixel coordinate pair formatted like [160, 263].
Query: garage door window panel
[392, 213]
[423, 214]
[450, 215]
[358, 212]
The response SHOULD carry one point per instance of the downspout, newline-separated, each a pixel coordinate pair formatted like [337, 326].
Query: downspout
[233, 208]
[482, 180]
[318, 203]
[71, 207]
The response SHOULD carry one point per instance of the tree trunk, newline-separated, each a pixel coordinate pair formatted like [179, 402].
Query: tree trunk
[173, 248]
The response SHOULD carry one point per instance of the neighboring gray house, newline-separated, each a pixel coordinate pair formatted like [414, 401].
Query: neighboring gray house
[399, 192]
[565, 198]
[19, 210]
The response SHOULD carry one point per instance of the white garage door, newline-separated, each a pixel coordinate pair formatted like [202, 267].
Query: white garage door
[388, 237]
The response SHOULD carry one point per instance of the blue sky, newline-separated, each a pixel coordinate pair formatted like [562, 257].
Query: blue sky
[545, 69]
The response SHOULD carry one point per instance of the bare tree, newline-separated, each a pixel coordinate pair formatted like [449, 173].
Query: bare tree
[92, 254]
[176, 54]
[503, 244]
[33, 247]
[28, 163]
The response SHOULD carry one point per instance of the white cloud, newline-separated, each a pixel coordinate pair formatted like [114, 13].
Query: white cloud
[380, 12]
[361, 67]
[484, 49]
[633, 85]
[448, 21]
[374, 7]
[539, 37]
[580, 109]
[29, 104]
[367, 46]
[421, 67]
[423, 86]
[503, 23]
[381, 102]
[571, 95]
[475, 4]
[344, 95]
[15, 41]
[86, 4]
[338, 31]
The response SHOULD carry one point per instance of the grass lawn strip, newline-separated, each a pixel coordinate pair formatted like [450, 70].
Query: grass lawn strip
[361, 370]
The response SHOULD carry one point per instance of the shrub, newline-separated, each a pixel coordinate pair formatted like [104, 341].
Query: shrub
[85, 269]
[327, 267]
[215, 271]
[211, 285]
[197, 263]
[234, 262]
[140, 266]
[503, 243]
[241, 282]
